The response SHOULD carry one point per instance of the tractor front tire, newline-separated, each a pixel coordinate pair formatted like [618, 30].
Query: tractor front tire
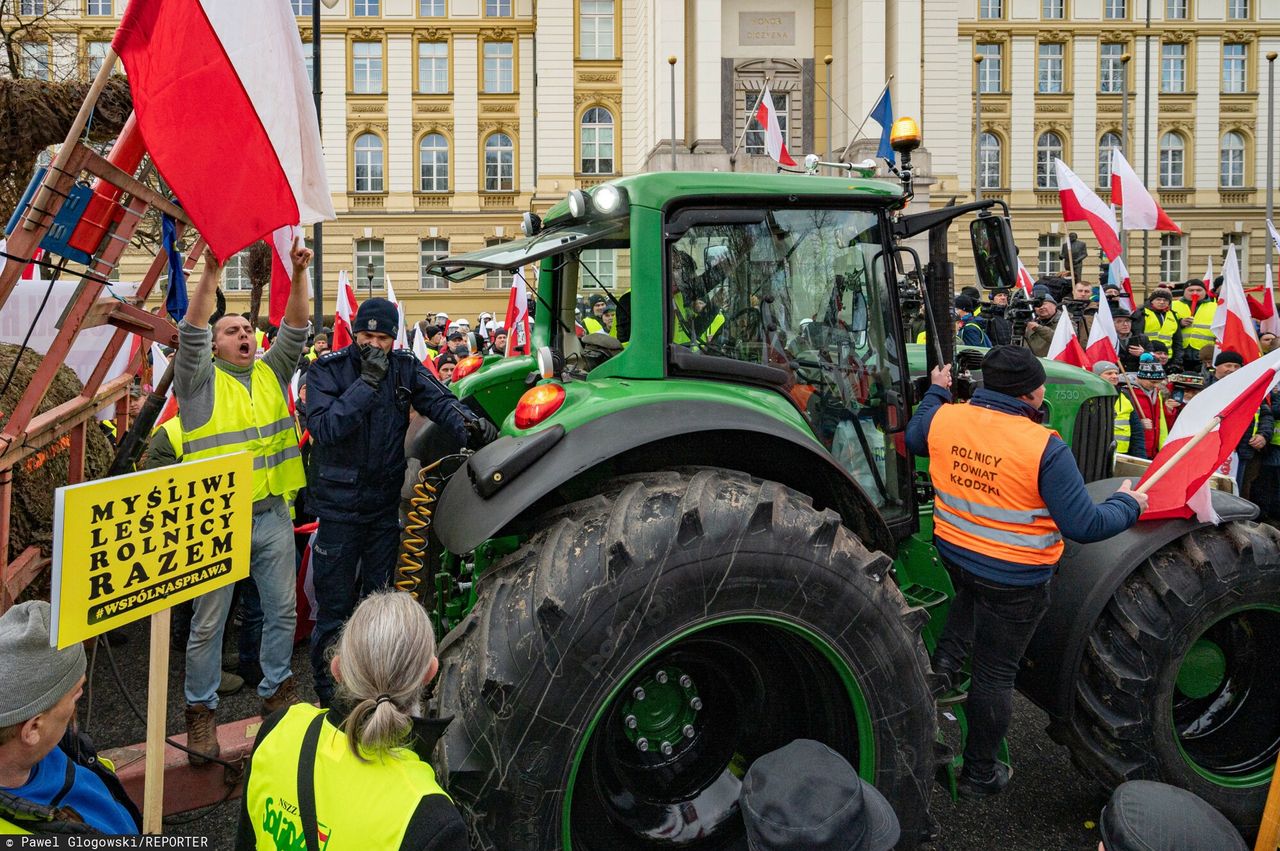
[1180, 680]
[620, 672]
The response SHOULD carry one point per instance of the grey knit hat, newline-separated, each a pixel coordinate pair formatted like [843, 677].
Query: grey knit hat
[35, 675]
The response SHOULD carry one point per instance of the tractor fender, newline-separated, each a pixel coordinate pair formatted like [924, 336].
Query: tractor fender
[660, 435]
[1088, 576]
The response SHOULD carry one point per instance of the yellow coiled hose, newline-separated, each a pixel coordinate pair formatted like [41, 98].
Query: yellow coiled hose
[413, 546]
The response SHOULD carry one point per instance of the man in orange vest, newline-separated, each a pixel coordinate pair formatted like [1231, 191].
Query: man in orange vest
[1007, 490]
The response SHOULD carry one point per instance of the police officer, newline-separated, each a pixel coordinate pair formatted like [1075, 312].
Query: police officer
[1000, 512]
[358, 402]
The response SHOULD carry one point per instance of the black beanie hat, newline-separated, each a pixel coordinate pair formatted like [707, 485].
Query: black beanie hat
[378, 316]
[1228, 357]
[1012, 370]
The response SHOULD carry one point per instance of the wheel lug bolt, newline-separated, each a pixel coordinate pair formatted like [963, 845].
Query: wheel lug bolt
[666, 749]
[638, 694]
[696, 703]
[630, 721]
[642, 744]
[685, 681]
[661, 676]
[688, 731]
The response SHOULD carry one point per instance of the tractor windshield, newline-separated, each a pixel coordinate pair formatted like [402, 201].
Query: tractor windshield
[803, 291]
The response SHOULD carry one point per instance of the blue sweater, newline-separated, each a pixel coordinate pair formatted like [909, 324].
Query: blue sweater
[1061, 486]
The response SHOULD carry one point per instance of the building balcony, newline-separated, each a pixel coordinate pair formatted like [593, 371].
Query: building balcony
[1046, 198]
[996, 195]
[1174, 197]
[433, 201]
[498, 200]
[588, 181]
[1236, 197]
[367, 201]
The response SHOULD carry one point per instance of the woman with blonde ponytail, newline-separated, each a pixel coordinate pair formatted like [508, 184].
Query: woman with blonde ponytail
[356, 776]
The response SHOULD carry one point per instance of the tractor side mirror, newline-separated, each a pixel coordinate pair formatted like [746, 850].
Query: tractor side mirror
[994, 254]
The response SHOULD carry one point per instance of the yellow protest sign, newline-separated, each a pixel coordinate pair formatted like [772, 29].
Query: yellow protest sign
[129, 546]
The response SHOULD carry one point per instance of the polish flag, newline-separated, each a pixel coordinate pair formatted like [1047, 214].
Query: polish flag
[222, 97]
[1232, 323]
[1118, 274]
[1081, 204]
[767, 117]
[1233, 401]
[1066, 346]
[160, 363]
[344, 314]
[1025, 282]
[1208, 274]
[419, 344]
[516, 322]
[1104, 342]
[282, 242]
[1271, 322]
[402, 338]
[1140, 210]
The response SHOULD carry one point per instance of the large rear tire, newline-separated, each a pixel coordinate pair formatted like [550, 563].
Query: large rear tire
[712, 615]
[1180, 680]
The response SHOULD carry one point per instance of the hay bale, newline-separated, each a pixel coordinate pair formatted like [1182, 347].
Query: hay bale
[38, 475]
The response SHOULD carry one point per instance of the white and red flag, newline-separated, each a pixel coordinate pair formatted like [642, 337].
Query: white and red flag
[517, 319]
[344, 315]
[419, 344]
[160, 363]
[222, 97]
[1208, 274]
[1232, 323]
[402, 337]
[1025, 283]
[281, 241]
[1104, 342]
[767, 117]
[1118, 274]
[1231, 401]
[1269, 324]
[1139, 209]
[1081, 204]
[1066, 346]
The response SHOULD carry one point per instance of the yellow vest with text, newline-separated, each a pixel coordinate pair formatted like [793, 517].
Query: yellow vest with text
[986, 492]
[1123, 426]
[1199, 333]
[259, 424]
[1161, 329]
[359, 805]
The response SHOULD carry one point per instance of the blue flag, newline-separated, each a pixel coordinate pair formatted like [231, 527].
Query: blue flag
[175, 299]
[882, 114]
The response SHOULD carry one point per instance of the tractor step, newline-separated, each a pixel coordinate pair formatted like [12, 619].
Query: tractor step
[922, 595]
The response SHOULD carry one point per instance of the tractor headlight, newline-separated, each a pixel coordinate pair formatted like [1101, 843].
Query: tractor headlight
[607, 199]
[579, 204]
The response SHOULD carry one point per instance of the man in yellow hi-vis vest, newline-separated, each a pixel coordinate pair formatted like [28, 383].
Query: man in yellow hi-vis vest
[232, 402]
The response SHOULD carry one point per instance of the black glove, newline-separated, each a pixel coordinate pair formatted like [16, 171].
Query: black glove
[373, 365]
[480, 433]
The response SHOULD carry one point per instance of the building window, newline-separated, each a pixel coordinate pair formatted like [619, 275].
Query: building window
[235, 273]
[1241, 244]
[1231, 170]
[989, 161]
[366, 8]
[366, 67]
[497, 279]
[1173, 68]
[1233, 56]
[302, 7]
[595, 30]
[1175, 10]
[499, 76]
[597, 141]
[431, 8]
[1111, 69]
[369, 251]
[990, 72]
[1115, 9]
[1053, 9]
[30, 7]
[990, 8]
[1172, 154]
[497, 8]
[1050, 76]
[599, 268]
[433, 67]
[95, 53]
[368, 163]
[98, 7]
[755, 139]
[431, 250]
[34, 60]
[309, 57]
[499, 164]
[1048, 254]
[1238, 10]
[1108, 143]
[1048, 149]
[433, 158]
[1171, 256]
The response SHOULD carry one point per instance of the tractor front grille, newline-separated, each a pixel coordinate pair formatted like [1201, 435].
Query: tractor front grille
[1093, 440]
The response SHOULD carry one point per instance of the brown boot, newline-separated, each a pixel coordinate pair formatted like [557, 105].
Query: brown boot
[286, 695]
[202, 735]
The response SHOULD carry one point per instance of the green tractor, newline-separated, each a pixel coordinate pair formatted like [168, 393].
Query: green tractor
[703, 538]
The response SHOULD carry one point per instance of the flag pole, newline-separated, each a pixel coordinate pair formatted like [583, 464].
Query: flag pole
[1179, 455]
[733, 157]
[858, 132]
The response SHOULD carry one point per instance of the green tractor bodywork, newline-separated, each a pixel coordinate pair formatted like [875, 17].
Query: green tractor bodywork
[803, 382]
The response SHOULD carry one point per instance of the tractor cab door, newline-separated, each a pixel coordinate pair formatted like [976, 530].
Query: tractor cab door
[799, 299]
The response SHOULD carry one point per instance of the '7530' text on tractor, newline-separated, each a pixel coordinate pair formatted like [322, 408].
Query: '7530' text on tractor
[703, 537]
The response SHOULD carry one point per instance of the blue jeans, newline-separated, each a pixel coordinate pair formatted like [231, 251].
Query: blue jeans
[271, 565]
[338, 550]
[250, 635]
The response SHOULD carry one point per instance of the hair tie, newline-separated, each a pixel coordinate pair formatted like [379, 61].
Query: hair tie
[382, 698]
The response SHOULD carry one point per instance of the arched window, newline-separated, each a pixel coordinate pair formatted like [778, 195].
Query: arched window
[1231, 172]
[499, 164]
[597, 141]
[433, 162]
[368, 163]
[989, 171]
[1108, 143]
[1048, 149]
[1172, 159]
